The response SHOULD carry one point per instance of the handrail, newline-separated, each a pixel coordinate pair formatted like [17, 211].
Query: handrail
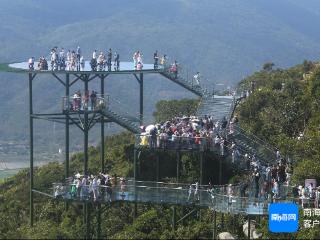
[78, 103]
[246, 133]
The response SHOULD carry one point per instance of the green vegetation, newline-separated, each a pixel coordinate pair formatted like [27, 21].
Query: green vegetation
[284, 111]
[167, 110]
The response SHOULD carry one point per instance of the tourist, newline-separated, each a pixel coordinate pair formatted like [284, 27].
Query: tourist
[135, 59]
[78, 55]
[69, 60]
[95, 188]
[109, 61]
[101, 61]
[82, 63]
[85, 100]
[196, 78]
[116, 61]
[196, 192]
[31, 63]
[93, 64]
[156, 59]
[174, 69]
[93, 98]
[94, 54]
[163, 60]
[190, 191]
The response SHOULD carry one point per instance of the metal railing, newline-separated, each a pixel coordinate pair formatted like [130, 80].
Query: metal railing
[176, 142]
[220, 198]
[80, 103]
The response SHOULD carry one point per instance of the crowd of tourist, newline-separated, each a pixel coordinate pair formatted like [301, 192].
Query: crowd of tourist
[187, 132]
[73, 60]
[91, 187]
[85, 101]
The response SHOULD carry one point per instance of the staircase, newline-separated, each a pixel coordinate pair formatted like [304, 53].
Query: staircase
[124, 122]
[251, 144]
[184, 82]
[216, 106]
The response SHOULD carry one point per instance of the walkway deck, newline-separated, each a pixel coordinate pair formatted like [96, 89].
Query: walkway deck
[167, 193]
[125, 68]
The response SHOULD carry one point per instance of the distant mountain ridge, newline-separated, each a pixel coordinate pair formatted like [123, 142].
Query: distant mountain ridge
[224, 40]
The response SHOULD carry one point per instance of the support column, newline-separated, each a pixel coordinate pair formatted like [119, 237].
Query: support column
[87, 217]
[249, 226]
[157, 168]
[99, 222]
[222, 221]
[214, 224]
[86, 130]
[173, 218]
[67, 130]
[220, 170]
[31, 147]
[201, 168]
[102, 127]
[86, 156]
[141, 99]
[178, 165]
[201, 181]
[135, 178]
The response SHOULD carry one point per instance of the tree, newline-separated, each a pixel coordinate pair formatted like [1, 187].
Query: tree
[268, 66]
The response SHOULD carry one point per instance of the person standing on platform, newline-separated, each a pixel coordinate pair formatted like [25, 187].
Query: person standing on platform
[139, 57]
[116, 61]
[156, 59]
[94, 54]
[190, 191]
[82, 63]
[31, 63]
[93, 98]
[135, 59]
[196, 192]
[174, 69]
[62, 59]
[85, 100]
[163, 60]
[78, 55]
[256, 176]
[69, 60]
[196, 78]
[109, 60]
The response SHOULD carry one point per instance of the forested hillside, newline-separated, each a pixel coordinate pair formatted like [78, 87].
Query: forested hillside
[282, 110]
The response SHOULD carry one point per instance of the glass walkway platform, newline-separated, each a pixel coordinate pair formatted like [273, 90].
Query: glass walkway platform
[223, 199]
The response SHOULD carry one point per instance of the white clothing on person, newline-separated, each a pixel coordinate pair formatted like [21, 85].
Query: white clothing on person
[94, 55]
[197, 78]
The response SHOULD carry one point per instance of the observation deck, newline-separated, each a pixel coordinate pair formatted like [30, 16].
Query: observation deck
[124, 68]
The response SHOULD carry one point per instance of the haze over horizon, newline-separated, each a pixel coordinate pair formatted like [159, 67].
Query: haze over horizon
[224, 40]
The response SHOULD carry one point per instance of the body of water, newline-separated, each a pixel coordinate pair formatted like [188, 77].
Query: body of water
[8, 173]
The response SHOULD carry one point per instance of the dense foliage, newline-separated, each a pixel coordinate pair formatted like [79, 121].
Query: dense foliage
[284, 111]
[168, 109]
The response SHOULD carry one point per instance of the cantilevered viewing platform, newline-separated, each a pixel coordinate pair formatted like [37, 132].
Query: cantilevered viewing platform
[124, 68]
